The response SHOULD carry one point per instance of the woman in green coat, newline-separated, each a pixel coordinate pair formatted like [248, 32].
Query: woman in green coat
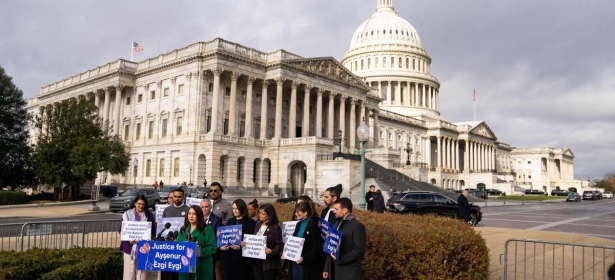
[204, 235]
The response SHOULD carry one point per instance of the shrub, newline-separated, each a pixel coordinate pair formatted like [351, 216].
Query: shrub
[12, 197]
[75, 263]
[417, 247]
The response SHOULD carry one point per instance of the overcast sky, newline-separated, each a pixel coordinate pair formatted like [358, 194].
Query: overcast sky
[544, 71]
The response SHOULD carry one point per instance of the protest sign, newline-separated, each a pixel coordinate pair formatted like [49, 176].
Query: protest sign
[193, 201]
[136, 230]
[288, 228]
[332, 242]
[166, 256]
[176, 224]
[293, 248]
[324, 227]
[159, 209]
[228, 235]
[255, 246]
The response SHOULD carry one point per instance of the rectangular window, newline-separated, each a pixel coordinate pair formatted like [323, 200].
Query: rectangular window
[176, 167]
[148, 166]
[179, 126]
[529, 162]
[127, 100]
[225, 126]
[164, 127]
[138, 132]
[139, 98]
[299, 108]
[286, 102]
[161, 168]
[211, 87]
[258, 98]
[150, 130]
[152, 95]
[227, 92]
[166, 92]
[208, 123]
[242, 128]
[257, 130]
[243, 94]
[126, 131]
[180, 89]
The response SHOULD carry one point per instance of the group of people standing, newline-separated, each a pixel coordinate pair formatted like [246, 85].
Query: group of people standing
[375, 200]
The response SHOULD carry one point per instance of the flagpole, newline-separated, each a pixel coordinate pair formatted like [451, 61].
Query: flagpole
[131, 50]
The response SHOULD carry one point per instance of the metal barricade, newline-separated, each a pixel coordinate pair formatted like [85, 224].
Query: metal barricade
[537, 259]
[60, 234]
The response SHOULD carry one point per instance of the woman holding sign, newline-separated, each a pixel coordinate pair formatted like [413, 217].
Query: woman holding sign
[268, 226]
[308, 265]
[235, 266]
[204, 235]
[138, 212]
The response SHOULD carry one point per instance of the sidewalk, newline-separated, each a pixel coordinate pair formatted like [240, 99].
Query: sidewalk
[49, 210]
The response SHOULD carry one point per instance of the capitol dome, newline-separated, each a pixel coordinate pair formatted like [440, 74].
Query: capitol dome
[386, 51]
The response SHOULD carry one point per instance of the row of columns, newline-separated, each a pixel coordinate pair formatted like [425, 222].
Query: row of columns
[279, 81]
[478, 156]
[481, 156]
[415, 94]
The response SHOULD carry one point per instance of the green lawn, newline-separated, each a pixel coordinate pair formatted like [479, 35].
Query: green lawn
[530, 197]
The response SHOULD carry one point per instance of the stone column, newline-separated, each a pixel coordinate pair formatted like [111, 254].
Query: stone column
[343, 117]
[376, 128]
[380, 89]
[116, 110]
[470, 155]
[424, 101]
[279, 99]
[439, 155]
[232, 118]
[305, 125]
[106, 106]
[330, 117]
[249, 117]
[215, 105]
[319, 112]
[97, 100]
[398, 93]
[353, 125]
[389, 92]
[264, 104]
[417, 101]
[466, 157]
[457, 155]
[292, 118]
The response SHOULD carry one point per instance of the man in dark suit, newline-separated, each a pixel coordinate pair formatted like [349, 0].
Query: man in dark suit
[214, 222]
[347, 266]
[464, 207]
[369, 198]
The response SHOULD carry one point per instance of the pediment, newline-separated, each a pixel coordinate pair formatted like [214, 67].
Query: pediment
[483, 129]
[568, 152]
[327, 67]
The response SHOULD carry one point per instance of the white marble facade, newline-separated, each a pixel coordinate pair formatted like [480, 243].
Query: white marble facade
[252, 120]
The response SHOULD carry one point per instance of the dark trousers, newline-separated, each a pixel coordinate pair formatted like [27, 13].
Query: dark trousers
[259, 274]
[169, 275]
[370, 206]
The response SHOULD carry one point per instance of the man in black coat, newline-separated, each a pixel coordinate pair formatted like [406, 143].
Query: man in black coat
[369, 198]
[464, 207]
[347, 266]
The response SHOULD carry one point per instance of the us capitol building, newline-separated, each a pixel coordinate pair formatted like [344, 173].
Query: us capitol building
[254, 120]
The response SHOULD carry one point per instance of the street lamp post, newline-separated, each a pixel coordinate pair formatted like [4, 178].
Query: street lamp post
[135, 163]
[408, 151]
[190, 167]
[363, 135]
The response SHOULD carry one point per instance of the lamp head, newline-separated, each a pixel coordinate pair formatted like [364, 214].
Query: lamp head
[363, 131]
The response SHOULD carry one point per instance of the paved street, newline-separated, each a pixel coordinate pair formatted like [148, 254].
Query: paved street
[593, 218]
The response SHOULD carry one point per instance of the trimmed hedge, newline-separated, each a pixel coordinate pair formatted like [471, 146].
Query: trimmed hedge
[416, 247]
[75, 263]
[19, 197]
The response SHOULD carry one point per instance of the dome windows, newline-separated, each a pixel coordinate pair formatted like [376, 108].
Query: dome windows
[392, 62]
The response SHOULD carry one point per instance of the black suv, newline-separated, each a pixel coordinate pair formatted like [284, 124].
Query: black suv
[425, 202]
[536, 192]
[559, 193]
[494, 191]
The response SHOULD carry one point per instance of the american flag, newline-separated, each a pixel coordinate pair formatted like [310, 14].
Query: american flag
[136, 47]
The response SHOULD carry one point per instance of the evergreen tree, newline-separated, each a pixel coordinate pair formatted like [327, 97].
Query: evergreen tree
[15, 161]
[72, 146]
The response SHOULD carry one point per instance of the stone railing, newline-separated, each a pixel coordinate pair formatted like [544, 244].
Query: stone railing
[306, 140]
[118, 65]
[399, 117]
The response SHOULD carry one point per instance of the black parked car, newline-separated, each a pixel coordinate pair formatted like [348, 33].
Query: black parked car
[425, 202]
[559, 193]
[494, 191]
[481, 194]
[534, 192]
[573, 196]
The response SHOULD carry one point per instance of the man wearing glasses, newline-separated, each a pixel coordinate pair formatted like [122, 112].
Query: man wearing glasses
[177, 210]
[221, 207]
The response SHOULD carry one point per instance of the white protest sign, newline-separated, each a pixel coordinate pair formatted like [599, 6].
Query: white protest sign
[255, 246]
[288, 228]
[293, 248]
[159, 209]
[193, 201]
[136, 230]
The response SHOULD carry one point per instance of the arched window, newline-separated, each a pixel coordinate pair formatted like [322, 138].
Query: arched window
[384, 62]
[361, 64]
[355, 65]
[376, 62]
[407, 63]
[400, 64]
[392, 62]
[369, 63]
[413, 64]
[161, 168]
[176, 167]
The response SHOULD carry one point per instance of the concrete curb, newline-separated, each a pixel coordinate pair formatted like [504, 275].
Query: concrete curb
[48, 204]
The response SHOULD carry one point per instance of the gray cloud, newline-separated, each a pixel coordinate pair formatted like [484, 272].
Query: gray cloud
[542, 69]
